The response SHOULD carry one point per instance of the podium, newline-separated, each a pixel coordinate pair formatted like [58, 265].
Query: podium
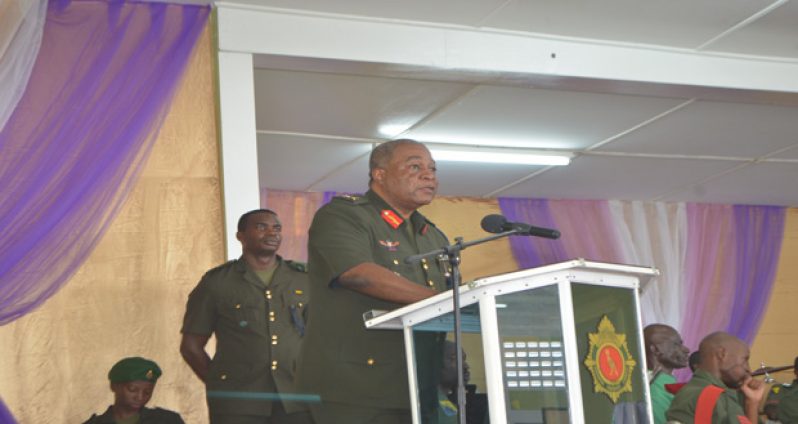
[561, 343]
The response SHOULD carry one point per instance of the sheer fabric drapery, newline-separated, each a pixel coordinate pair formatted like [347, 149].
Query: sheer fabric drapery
[76, 140]
[21, 27]
[718, 262]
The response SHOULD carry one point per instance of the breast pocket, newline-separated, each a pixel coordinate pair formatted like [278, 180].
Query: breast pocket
[243, 314]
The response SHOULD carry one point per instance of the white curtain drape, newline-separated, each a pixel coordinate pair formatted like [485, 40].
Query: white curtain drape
[21, 28]
[655, 234]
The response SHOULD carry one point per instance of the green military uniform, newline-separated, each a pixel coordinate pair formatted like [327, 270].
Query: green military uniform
[146, 416]
[786, 398]
[341, 360]
[258, 329]
[660, 397]
[683, 408]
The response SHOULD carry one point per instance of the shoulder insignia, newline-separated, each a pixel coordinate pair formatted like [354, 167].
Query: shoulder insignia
[776, 389]
[391, 218]
[355, 199]
[297, 266]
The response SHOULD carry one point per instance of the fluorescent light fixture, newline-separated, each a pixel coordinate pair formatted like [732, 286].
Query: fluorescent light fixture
[498, 155]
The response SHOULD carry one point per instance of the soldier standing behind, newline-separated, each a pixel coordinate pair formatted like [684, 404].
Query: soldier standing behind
[256, 306]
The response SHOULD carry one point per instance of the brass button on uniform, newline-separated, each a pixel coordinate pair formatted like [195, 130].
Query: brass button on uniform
[425, 266]
[299, 305]
[396, 261]
[370, 361]
[238, 306]
[431, 283]
[274, 339]
[397, 273]
[272, 316]
[274, 365]
[268, 294]
[223, 376]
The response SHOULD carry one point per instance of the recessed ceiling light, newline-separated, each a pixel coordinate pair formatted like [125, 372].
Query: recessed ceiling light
[498, 155]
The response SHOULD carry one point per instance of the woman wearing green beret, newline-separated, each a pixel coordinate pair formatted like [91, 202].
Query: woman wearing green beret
[133, 381]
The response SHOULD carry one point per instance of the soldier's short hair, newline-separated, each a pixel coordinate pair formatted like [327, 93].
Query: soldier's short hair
[242, 222]
[383, 153]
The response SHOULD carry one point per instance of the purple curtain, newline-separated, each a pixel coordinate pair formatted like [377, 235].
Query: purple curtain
[527, 251]
[5, 415]
[731, 255]
[69, 154]
[758, 244]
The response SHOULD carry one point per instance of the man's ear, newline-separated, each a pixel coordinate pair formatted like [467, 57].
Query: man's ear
[654, 350]
[378, 174]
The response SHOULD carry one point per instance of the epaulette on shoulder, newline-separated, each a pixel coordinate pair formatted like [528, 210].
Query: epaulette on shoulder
[352, 199]
[297, 266]
[218, 268]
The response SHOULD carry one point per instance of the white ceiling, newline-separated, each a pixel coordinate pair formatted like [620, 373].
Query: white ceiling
[317, 118]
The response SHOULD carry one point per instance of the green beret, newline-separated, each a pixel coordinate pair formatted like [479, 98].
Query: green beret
[134, 369]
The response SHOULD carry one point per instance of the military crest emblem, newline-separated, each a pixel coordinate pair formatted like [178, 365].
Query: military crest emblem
[609, 361]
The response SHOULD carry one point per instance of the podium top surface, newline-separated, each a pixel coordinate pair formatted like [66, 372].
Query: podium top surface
[442, 302]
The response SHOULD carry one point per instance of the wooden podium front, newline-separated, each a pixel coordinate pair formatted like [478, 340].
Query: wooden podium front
[560, 343]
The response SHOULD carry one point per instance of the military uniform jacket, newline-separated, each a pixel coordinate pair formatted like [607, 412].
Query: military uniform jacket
[146, 416]
[342, 360]
[727, 409]
[786, 395]
[258, 334]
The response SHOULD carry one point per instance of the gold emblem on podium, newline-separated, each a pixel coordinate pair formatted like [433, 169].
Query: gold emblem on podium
[609, 361]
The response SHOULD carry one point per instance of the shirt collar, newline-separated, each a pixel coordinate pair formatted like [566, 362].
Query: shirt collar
[394, 218]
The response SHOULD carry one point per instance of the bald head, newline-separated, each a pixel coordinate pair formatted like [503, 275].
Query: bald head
[665, 350]
[726, 357]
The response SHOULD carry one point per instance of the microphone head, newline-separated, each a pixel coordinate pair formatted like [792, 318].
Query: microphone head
[493, 223]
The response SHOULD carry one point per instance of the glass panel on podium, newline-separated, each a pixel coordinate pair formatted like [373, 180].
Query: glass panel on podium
[436, 367]
[533, 360]
[608, 343]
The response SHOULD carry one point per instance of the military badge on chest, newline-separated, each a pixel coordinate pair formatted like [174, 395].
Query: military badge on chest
[391, 246]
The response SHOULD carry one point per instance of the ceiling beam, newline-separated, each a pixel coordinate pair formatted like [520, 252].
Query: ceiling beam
[258, 30]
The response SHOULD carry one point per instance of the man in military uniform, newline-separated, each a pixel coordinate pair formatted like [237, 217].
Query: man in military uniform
[783, 398]
[356, 251]
[256, 307]
[712, 394]
[665, 352]
[133, 381]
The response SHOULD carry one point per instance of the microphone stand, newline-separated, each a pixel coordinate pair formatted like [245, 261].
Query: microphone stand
[453, 280]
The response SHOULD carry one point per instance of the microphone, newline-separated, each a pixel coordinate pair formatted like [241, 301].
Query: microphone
[497, 224]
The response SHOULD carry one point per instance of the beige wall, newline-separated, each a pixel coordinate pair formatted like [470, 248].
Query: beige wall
[776, 342]
[128, 298]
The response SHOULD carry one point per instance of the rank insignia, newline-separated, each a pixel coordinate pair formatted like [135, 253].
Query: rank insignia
[150, 375]
[391, 218]
[609, 361]
[390, 245]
